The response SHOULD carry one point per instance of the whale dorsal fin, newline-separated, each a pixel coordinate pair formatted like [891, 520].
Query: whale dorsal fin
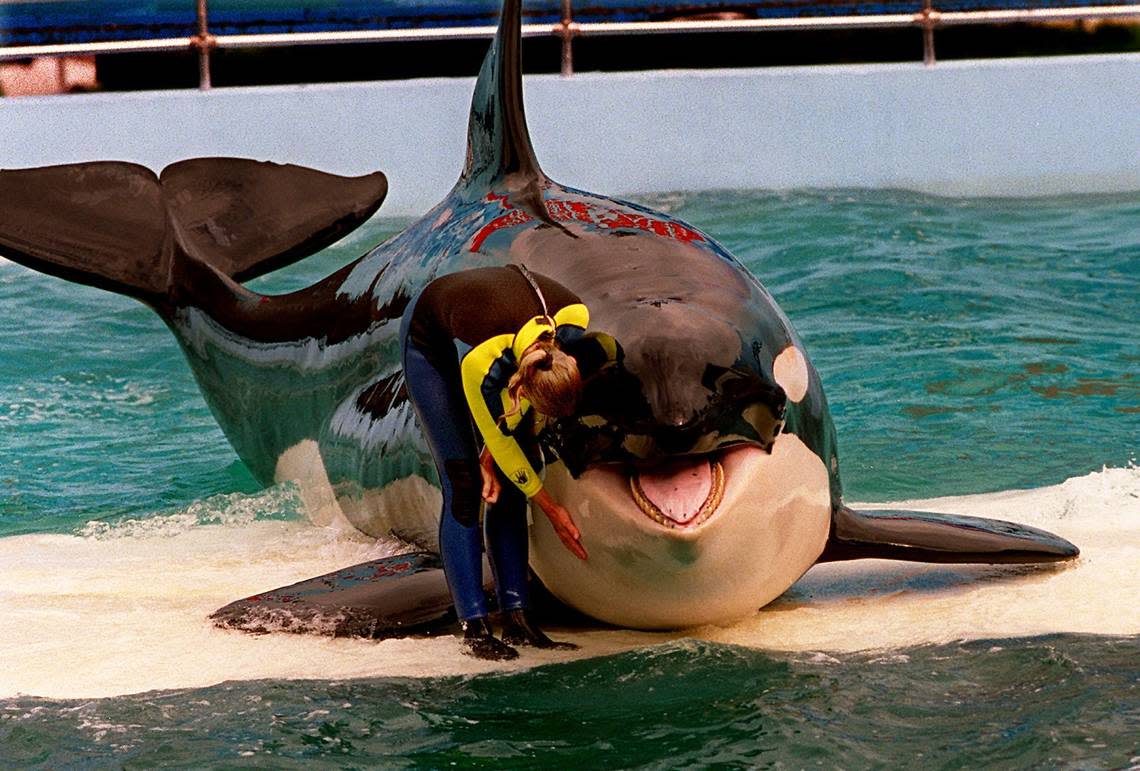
[498, 143]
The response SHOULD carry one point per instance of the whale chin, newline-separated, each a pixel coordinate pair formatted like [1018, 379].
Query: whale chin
[694, 541]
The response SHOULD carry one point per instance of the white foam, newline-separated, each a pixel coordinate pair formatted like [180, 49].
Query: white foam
[124, 609]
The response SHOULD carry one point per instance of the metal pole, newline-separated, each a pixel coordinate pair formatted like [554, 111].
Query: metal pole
[203, 43]
[929, 17]
[567, 33]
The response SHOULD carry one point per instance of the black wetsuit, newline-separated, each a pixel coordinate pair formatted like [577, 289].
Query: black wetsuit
[471, 321]
[475, 305]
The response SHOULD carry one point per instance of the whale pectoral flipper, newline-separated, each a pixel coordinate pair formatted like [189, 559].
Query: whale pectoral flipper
[119, 227]
[921, 536]
[388, 597]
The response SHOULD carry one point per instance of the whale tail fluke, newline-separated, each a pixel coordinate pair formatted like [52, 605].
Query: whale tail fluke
[920, 536]
[120, 227]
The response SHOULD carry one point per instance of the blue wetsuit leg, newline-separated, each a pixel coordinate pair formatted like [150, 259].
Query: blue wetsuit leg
[505, 522]
[446, 423]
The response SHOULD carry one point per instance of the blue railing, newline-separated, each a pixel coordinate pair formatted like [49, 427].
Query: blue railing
[36, 22]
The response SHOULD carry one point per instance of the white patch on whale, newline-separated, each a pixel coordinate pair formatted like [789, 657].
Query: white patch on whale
[790, 371]
[302, 464]
[406, 508]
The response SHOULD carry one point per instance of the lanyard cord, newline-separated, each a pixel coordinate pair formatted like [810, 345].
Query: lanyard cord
[533, 285]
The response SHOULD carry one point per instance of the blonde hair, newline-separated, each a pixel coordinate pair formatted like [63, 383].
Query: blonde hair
[549, 379]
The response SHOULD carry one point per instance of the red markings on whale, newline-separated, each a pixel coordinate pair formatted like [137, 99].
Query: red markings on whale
[561, 210]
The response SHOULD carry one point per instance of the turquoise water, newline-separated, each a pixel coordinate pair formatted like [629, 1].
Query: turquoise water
[1047, 702]
[965, 345]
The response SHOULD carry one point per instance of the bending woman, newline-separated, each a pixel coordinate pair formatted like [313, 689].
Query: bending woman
[497, 320]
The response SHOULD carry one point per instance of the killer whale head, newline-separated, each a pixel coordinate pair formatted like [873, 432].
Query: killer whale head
[702, 455]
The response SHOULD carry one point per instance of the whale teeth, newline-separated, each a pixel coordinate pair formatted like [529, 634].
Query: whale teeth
[707, 509]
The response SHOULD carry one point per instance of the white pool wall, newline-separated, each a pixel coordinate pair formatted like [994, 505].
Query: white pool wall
[1008, 127]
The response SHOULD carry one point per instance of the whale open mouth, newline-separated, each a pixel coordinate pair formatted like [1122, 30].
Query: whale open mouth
[680, 493]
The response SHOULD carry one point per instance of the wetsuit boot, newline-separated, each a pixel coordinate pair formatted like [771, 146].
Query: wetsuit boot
[480, 643]
[518, 629]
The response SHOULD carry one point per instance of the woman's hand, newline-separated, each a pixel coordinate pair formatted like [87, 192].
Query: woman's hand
[563, 524]
[491, 486]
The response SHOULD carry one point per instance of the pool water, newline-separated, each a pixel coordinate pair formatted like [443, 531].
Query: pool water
[978, 348]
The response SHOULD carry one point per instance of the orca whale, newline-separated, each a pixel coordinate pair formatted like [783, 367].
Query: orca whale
[701, 469]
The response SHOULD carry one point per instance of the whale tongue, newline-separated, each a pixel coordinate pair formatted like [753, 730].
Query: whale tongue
[678, 488]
